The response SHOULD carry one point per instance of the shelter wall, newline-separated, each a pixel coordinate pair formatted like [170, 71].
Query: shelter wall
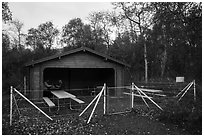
[35, 82]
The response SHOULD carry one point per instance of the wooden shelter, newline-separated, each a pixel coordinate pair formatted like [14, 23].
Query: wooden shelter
[76, 69]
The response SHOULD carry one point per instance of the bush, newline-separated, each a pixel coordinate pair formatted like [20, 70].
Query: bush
[182, 114]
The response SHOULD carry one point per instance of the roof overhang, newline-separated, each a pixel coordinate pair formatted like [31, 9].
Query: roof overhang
[84, 49]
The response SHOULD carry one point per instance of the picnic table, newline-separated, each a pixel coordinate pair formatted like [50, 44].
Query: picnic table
[61, 94]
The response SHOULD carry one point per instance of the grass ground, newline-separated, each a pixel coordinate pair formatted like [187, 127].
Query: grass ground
[130, 123]
[174, 120]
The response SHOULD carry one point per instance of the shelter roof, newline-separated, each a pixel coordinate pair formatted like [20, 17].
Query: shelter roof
[74, 51]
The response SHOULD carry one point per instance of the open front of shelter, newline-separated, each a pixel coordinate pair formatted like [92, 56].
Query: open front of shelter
[80, 68]
[80, 78]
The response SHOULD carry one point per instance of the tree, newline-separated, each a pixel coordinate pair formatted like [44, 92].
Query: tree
[42, 37]
[5, 43]
[18, 25]
[41, 40]
[140, 14]
[33, 38]
[172, 24]
[164, 27]
[88, 37]
[47, 33]
[6, 13]
[77, 34]
[72, 32]
[101, 24]
[6, 16]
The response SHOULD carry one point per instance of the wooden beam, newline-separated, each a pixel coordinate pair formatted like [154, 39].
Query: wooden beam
[148, 97]
[150, 90]
[135, 95]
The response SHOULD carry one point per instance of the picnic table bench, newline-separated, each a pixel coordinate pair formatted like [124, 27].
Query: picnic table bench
[49, 102]
[77, 100]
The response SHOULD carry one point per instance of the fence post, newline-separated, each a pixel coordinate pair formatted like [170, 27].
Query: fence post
[11, 104]
[132, 100]
[194, 90]
[104, 99]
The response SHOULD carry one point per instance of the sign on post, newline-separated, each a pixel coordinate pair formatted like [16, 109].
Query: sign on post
[179, 79]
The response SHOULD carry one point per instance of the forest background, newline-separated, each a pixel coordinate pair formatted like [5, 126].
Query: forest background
[160, 40]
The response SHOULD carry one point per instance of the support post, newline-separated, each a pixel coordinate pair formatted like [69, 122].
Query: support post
[95, 106]
[143, 98]
[11, 104]
[24, 83]
[33, 104]
[91, 102]
[104, 99]
[185, 91]
[147, 97]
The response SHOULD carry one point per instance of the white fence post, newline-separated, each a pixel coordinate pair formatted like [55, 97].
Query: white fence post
[11, 104]
[132, 99]
[194, 91]
[104, 99]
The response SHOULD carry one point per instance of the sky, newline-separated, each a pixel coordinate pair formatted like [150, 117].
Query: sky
[33, 14]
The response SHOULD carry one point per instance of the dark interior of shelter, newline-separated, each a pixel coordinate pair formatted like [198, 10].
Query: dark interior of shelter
[78, 81]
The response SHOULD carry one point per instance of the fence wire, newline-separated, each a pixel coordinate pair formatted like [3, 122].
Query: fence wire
[67, 106]
[118, 100]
